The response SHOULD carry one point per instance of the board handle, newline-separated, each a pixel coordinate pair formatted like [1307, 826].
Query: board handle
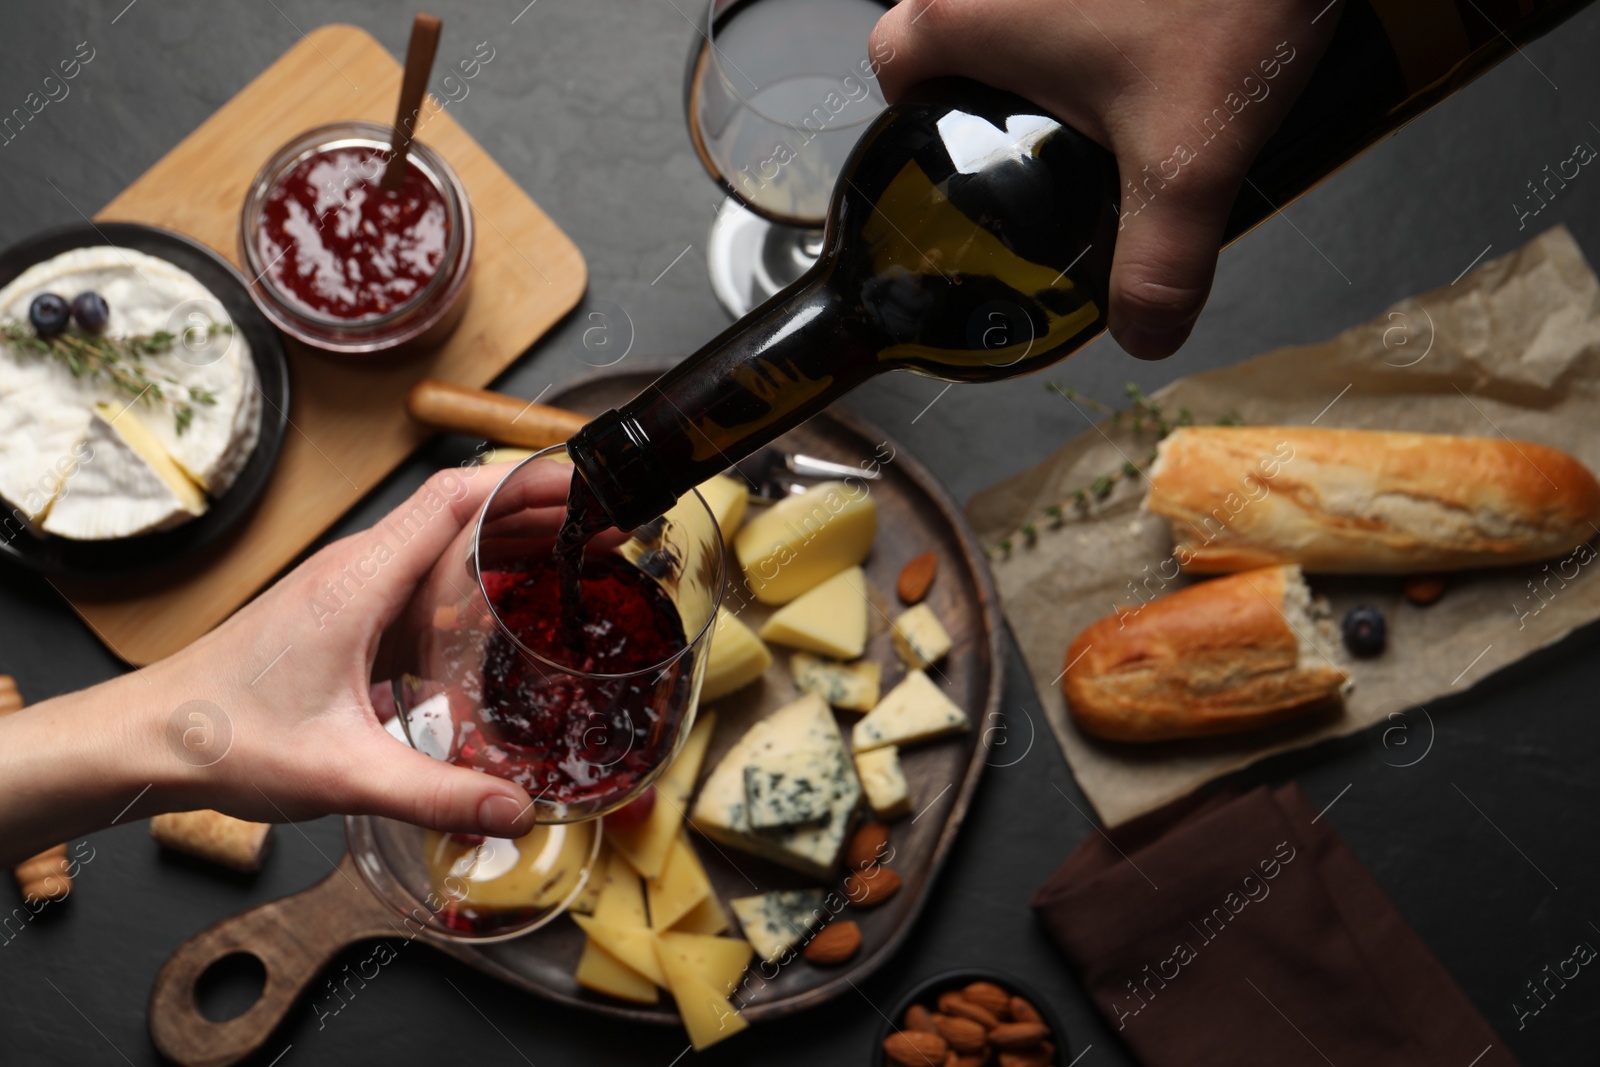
[498, 417]
[294, 938]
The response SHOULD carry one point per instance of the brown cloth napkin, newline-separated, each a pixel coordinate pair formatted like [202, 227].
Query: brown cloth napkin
[1234, 931]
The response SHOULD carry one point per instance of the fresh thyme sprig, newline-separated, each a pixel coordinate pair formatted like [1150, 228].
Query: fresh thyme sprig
[1144, 416]
[119, 361]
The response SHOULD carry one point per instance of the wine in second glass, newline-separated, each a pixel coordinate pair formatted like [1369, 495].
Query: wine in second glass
[776, 95]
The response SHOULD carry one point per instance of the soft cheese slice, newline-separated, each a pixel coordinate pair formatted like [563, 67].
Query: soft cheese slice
[602, 972]
[727, 500]
[720, 961]
[884, 782]
[919, 638]
[125, 485]
[802, 541]
[680, 889]
[646, 846]
[721, 812]
[706, 1013]
[775, 922]
[830, 619]
[789, 788]
[737, 658]
[914, 710]
[844, 685]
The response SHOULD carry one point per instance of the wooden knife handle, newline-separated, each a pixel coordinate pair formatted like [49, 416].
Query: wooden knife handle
[294, 938]
[492, 415]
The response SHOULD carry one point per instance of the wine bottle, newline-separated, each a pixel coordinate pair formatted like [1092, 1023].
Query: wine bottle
[970, 239]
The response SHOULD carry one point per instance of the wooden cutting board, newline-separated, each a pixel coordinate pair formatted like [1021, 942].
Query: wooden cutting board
[348, 427]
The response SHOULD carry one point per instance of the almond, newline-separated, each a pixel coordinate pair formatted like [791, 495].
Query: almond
[951, 1059]
[963, 1035]
[916, 577]
[990, 997]
[953, 1003]
[868, 889]
[867, 846]
[1033, 1057]
[1424, 589]
[833, 944]
[915, 1048]
[1013, 1037]
[920, 1018]
[976, 1059]
[1023, 1012]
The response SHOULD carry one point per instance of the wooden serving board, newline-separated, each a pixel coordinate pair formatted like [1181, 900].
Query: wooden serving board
[914, 516]
[347, 422]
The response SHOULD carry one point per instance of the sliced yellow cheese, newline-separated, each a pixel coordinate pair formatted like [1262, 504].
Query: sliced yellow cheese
[633, 945]
[844, 685]
[541, 869]
[737, 658]
[144, 444]
[602, 972]
[919, 638]
[584, 903]
[680, 889]
[727, 500]
[804, 540]
[914, 710]
[621, 900]
[830, 619]
[708, 917]
[646, 846]
[721, 961]
[705, 1011]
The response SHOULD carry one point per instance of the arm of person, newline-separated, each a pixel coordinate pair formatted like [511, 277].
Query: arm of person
[1139, 79]
[269, 717]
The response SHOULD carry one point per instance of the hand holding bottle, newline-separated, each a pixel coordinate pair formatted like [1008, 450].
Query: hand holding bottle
[1183, 94]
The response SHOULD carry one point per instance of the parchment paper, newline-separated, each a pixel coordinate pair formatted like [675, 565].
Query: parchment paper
[1511, 349]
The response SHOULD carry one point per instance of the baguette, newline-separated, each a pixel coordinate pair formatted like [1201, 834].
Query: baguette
[1218, 657]
[1365, 501]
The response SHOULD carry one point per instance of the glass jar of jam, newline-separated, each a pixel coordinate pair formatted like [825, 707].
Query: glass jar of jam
[343, 265]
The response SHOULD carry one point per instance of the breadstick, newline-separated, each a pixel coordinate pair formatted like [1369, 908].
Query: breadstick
[41, 877]
[213, 836]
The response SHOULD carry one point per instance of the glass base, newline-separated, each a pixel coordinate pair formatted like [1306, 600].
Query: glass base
[751, 259]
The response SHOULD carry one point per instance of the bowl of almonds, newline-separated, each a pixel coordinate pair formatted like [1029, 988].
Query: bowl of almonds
[971, 1019]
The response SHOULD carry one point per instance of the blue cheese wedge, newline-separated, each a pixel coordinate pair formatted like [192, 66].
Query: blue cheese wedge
[853, 686]
[884, 782]
[789, 788]
[919, 639]
[722, 810]
[915, 710]
[774, 923]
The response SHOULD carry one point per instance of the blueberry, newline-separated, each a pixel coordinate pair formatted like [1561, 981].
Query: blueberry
[1365, 631]
[49, 314]
[91, 311]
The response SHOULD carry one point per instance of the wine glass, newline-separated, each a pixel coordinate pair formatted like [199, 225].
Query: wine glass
[776, 94]
[580, 690]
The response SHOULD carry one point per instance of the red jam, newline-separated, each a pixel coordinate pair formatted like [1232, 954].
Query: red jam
[342, 246]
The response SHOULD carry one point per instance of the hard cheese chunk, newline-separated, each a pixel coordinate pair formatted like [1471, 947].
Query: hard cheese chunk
[706, 1013]
[680, 889]
[884, 782]
[722, 813]
[831, 619]
[646, 846]
[776, 922]
[721, 961]
[914, 710]
[789, 788]
[727, 500]
[919, 639]
[844, 685]
[802, 541]
[602, 972]
[737, 658]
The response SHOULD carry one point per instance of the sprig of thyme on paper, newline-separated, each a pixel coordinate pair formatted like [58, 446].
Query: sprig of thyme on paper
[117, 360]
[1144, 416]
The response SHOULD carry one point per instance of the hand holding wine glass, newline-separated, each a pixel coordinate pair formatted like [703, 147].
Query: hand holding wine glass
[1138, 79]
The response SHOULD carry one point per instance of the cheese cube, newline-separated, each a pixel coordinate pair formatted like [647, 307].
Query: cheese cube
[680, 889]
[602, 972]
[646, 846]
[721, 961]
[830, 619]
[721, 812]
[789, 788]
[706, 1013]
[844, 685]
[914, 710]
[727, 500]
[737, 657]
[776, 922]
[919, 639]
[884, 782]
[798, 543]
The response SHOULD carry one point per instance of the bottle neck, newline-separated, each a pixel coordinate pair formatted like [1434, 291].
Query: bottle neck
[758, 379]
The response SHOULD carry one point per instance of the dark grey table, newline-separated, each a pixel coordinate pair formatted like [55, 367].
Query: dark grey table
[581, 104]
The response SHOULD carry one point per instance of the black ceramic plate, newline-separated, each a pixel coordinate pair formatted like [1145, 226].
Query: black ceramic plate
[129, 555]
[927, 993]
